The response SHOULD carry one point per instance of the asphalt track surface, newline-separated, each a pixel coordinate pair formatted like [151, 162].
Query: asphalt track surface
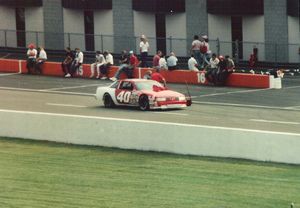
[276, 110]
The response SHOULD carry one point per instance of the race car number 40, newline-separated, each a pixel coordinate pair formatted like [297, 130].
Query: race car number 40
[124, 96]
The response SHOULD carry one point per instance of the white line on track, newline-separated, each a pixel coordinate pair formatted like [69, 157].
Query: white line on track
[178, 114]
[66, 105]
[9, 74]
[293, 107]
[241, 91]
[291, 87]
[235, 92]
[67, 93]
[73, 87]
[47, 91]
[245, 105]
[148, 122]
[277, 122]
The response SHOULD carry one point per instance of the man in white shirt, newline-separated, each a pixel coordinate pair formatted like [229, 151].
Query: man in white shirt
[213, 62]
[77, 63]
[212, 69]
[172, 61]
[100, 61]
[144, 48]
[163, 63]
[40, 60]
[104, 69]
[31, 58]
[195, 49]
[192, 63]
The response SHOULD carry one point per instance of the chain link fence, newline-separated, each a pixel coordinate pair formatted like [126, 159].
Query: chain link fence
[240, 51]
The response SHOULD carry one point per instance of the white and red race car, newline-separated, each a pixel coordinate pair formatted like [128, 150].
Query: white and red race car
[142, 93]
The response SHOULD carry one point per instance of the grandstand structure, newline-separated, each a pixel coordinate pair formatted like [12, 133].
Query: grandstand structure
[234, 27]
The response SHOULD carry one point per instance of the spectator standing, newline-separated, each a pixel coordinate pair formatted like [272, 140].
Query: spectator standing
[172, 61]
[99, 62]
[254, 57]
[31, 58]
[77, 62]
[204, 51]
[195, 49]
[192, 63]
[124, 63]
[144, 48]
[252, 60]
[40, 60]
[163, 63]
[109, 61]
[66, 64]
[156, 58]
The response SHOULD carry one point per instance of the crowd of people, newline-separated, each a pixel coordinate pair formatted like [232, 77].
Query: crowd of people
[217, 68]
[72, 63]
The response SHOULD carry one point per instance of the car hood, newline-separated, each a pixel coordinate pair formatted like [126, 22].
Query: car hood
[163, 93]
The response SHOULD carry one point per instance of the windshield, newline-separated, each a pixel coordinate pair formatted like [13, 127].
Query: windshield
[148, 85]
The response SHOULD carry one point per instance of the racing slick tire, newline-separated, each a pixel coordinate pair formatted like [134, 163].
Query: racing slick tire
[144, 103]
[108, 102]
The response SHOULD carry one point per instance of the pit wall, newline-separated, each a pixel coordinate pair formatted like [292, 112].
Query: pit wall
[177, 76]
[176, 138]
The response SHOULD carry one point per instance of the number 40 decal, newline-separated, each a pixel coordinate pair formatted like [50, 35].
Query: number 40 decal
[124, 96]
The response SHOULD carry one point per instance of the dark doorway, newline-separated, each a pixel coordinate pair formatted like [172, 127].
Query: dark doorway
[89, 30]
[20, 27]
[160, 22]
[237, 35]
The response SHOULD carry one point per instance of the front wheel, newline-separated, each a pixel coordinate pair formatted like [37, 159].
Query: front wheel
[108, 102]
[188, 101]
[144, 102]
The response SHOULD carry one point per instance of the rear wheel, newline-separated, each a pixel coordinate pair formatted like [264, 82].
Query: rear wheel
[144, 102]
[108, 102]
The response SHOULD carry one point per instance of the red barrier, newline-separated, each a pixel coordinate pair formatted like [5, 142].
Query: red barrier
[248, 80]
[9, 66]
[177, 76]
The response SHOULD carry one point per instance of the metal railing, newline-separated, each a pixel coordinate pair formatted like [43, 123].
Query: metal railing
[267, 52]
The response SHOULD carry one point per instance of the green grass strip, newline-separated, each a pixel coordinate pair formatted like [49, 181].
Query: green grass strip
[42, 174]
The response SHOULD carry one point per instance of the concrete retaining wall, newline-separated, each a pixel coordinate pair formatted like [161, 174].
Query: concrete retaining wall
[176, 76]
[156, 136]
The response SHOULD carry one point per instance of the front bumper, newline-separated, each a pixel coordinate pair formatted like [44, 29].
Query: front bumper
[175, 106]
[168, 105]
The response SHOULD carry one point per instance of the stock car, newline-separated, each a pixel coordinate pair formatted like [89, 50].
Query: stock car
[142, 93]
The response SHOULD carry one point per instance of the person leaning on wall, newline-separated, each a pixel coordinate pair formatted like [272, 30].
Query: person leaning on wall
[40, 60]
[31, 58]
[66, 64]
